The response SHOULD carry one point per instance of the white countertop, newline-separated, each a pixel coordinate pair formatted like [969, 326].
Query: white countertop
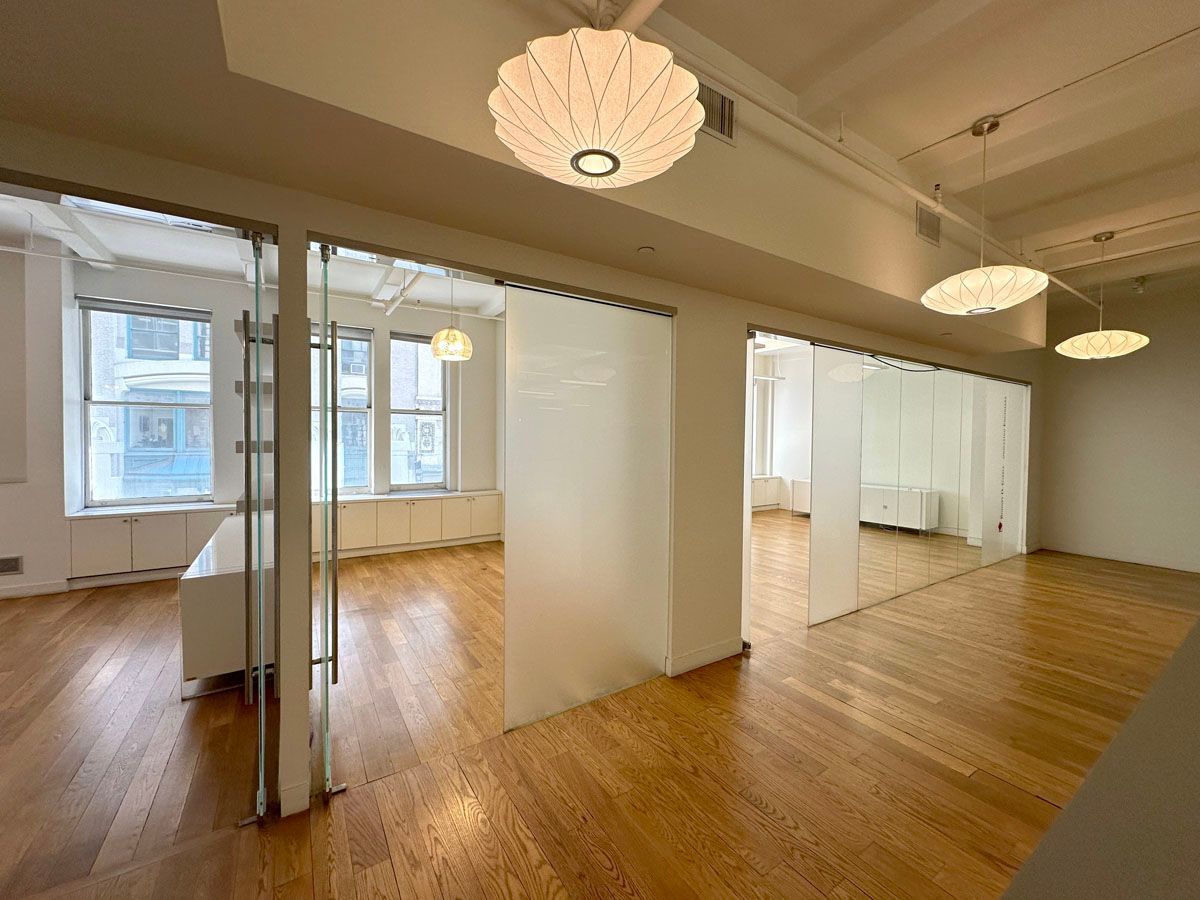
[411, 495]
[149, 509]
[226, 550]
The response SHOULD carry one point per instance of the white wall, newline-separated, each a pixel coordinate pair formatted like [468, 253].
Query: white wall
[31, 512]
[793, 419]
[1121, 455]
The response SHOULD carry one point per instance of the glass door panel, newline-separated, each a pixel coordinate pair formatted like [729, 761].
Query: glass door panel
[879, 480]
[586, 515]
[917, 503]
[949, 535]
[837, 398]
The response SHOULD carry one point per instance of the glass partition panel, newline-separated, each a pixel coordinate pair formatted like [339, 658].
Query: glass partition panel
[586, 515]
[837, 401]
[974, 411]
[948, 535]
[1004, 470]
[879, 491]
[917, 503]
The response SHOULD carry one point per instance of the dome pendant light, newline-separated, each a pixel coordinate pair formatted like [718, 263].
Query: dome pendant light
[1102, 344]
[594, 108]
[986, 289]
[450, 344]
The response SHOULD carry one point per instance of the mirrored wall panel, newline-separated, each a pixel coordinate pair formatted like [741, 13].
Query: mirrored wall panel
[879, 482]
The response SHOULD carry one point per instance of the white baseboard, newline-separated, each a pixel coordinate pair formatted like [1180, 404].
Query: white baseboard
[293, 799]
[34, 590]
[405, 548]
[94, 581]
[677, 665]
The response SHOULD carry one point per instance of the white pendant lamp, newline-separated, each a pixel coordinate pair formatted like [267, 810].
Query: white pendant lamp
[985, 289]
[594, 108]
[451, 344]
[1102, 344]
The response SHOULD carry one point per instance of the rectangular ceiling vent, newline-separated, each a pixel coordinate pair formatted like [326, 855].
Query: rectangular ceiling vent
[718, 113]
[929, 225]
[11, 565]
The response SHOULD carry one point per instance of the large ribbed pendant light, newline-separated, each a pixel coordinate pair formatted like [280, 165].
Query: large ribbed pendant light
[985, 289]
[1102, 344]
[451, 344]
[598, 109]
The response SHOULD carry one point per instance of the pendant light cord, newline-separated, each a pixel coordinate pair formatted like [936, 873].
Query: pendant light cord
[1102, 243]
[983, 199]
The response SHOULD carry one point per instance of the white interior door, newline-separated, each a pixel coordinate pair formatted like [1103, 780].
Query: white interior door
[586, 514]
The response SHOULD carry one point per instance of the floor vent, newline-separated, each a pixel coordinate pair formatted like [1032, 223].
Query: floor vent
[929, 225]
[718, 113]
[12, 565]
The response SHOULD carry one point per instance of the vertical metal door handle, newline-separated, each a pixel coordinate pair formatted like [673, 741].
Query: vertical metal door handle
[275, 519]
[248, 680]
[333, 378]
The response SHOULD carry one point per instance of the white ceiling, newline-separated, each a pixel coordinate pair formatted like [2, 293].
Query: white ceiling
[1099, 103]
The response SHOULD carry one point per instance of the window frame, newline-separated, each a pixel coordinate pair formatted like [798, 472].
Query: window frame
[412, 338]
[87, 305]
[367, 335]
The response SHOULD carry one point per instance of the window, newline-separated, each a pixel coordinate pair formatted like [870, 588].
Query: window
[353, 409]
[148, 403]
[418, 414]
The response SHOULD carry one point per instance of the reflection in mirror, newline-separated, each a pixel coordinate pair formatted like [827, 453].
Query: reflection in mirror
[917, 502]
[948, 534]
[879, 479]
[971, 474]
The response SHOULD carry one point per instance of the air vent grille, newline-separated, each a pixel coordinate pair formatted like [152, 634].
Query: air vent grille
[718, 112]
[929, 225]
[12, 565]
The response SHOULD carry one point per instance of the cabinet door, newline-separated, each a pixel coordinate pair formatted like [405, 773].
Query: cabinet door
[100, 547]
[356, 527]
[393, 520]
[159, 542]
[200, 527]
[891, 506]
[485, 515]
[456, 518]
[426, 523]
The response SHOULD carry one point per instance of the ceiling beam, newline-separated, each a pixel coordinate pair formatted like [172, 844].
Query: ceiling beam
[919, 31]
[70, 231]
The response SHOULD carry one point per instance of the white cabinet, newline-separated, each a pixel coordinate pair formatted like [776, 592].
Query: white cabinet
[456, 518]
[426, 521]
[801, 496]
[101, 546]
[485, 515]
[764, 491]
[356, 525]
[393, 520]
[159, 541]
[906, 507]
[200, 527]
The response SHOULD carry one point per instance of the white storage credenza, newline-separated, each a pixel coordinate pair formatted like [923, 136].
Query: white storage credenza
[368, 522]
[900, 507]
[139, 539]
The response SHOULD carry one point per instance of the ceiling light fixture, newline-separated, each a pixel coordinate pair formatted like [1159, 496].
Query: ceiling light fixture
[450, 344]
[1102, 344]
[985, 289]
[594, 108]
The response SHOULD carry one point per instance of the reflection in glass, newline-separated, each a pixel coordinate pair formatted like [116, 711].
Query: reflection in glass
[879, 495]
[917, 503]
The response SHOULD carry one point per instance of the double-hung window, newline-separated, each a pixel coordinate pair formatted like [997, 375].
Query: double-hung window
[418, 414]
[147, 396]
[353, 408]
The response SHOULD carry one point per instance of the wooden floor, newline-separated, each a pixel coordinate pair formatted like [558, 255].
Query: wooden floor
[891, 562]
[918, 748]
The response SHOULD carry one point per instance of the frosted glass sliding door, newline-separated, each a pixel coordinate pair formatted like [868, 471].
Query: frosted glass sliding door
[587, 486]
[835, 495]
